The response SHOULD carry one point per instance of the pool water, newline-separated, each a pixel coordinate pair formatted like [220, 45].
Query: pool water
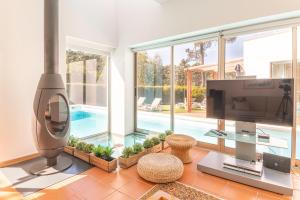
[78, 115]
[87, 122]
[284, 134]
[160, 123]
[197, 128]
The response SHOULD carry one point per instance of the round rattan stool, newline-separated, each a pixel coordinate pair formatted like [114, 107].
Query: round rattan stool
[180, 146]
[160, 168]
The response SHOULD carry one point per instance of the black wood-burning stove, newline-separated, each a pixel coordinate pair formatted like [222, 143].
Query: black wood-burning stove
[51, 121]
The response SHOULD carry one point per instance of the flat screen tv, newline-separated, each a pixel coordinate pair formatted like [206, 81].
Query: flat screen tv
[267, 101]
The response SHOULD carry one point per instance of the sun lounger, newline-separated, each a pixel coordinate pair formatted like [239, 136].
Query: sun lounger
[154, 106]
[140, 101]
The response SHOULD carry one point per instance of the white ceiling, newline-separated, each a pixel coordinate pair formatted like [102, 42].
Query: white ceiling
[161, 1]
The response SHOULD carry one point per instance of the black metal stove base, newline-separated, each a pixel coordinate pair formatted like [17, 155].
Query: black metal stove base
[20, 177]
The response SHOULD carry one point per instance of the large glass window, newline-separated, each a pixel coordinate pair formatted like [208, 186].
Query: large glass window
[194, 64]
[260, 55]
[153, 76]
[265, 54]
[298, 96]
[87, 89]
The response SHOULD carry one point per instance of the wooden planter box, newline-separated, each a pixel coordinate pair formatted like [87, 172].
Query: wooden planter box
[164, 144]
[132, 160]
[103, 164]
[154, 149]
[157, 148]
[82, 155]
[69, 150]
[141, 154]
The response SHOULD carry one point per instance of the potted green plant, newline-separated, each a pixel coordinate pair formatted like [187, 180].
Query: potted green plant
[102, 158]
[128, 158]
[83, 151]
[148, 144]
[162, 138]
[72, 142]
[157, 146]
[137, 148]
[168, 132]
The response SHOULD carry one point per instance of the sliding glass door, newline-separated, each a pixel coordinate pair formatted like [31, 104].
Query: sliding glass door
[176, 74]
[194, 64]
[261, 55]
[87, 89]
[153, 88]
[297, 150]
[171, 83]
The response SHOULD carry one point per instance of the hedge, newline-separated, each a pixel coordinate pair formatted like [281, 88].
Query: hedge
[151, 92]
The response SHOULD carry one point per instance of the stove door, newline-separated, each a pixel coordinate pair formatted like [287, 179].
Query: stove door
[52, 119]
[57, 115]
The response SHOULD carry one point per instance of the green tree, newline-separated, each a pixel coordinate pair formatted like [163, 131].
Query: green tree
[180, 73]
[142, 59]
[77, 56]
[198, 53]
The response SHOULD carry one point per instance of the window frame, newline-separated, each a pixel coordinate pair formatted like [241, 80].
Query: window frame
[107, 54]
[136, 129]
[222, 35]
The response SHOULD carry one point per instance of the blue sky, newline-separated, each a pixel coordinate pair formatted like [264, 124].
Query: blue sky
[233, 50]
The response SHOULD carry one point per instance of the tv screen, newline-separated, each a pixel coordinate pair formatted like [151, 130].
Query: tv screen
[267, 101]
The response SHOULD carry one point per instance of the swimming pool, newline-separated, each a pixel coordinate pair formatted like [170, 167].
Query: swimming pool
[197, 127]
[87, 121]
[157, 122]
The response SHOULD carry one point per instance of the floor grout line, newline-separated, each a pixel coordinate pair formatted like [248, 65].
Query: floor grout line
[191, 175]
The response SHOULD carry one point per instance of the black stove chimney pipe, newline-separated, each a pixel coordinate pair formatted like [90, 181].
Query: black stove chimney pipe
[51, 37]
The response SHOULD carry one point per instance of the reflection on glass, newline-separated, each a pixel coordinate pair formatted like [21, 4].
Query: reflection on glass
[56, 115]
[87, 89]
[268, 101]
[153, 89]
[194, 64]
[260, 55]
[298, 97]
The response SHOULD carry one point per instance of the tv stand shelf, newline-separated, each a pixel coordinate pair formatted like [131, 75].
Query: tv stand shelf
[242, 167]
[251, 138]
[270, 180]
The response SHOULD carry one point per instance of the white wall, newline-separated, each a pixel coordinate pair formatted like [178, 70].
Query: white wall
[91, 20]
[261, 52]
[21, 54]
[145, 20]
[22, 63]
[2, 36]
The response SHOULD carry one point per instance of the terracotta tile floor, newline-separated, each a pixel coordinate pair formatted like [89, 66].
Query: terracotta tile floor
[125, 184]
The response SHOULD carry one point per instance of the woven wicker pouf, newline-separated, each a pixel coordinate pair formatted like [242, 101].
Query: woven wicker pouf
[180, 146]
[160, 168]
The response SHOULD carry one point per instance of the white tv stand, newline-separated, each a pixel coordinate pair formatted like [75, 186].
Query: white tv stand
[243, 167]
[254, 168]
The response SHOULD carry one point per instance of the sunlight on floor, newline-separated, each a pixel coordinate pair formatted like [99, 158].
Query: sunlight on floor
[126, 184]
[4, 182]
[55, 189]
[9, 193]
